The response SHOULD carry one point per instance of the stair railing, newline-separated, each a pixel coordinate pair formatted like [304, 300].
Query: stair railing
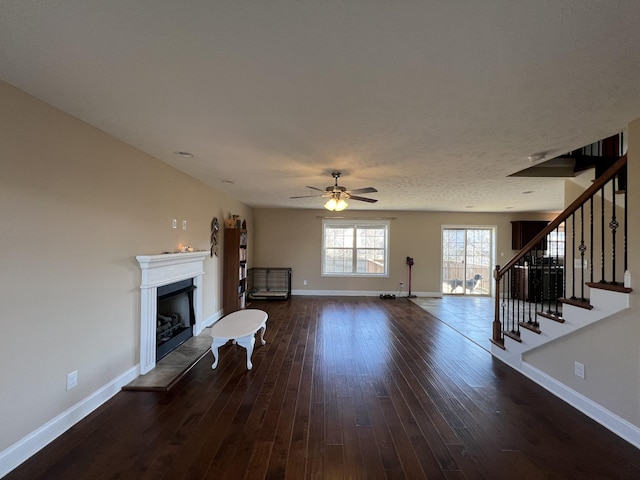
[534, 281]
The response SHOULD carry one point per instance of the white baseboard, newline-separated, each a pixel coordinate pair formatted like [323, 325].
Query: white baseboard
[20, 451]
[359, 293]
[606, 418]
[207, 322]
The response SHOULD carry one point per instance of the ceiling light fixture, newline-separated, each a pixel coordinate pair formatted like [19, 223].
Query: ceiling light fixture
[184, 154]
[536, 157]
[336, 203]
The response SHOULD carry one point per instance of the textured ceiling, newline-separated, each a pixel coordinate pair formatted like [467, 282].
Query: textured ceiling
[433, 103]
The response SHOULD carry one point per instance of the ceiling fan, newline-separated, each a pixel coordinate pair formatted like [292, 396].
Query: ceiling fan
[338, 195]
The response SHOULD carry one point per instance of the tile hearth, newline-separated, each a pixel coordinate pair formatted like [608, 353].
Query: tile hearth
[172, 367]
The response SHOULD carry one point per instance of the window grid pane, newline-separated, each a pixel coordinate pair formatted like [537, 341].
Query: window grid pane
[338, 260]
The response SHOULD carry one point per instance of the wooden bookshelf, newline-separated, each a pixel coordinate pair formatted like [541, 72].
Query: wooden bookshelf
[234, 286]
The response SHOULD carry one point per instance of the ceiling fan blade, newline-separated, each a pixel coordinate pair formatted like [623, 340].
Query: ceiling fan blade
[314, 188]
[362, 199]
[364, 190]
[308, 196]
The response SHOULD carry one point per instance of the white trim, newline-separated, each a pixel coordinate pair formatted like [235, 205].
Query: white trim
[359, 293]
[207, 322]
[29, 445]
[608, 419]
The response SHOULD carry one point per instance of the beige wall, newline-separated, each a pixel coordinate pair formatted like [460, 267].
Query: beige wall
[76, 207]
[610, 349]
[293, 238]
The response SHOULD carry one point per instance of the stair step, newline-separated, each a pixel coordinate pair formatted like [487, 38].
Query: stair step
[513, 335]
[577, 303]
[531, 326]
[613, 286]
[498, 343]
[552, 316]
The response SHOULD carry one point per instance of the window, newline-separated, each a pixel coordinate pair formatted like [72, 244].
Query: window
[355, 248]
[556, 242]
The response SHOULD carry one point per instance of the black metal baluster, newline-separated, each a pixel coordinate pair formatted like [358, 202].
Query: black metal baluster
[535, 274]
[564, 260]
[528, 277]
[532, 292]
[626, 267]
[543, 284]
[573, 256]
[602, 276]
[613, 225]
[591, 240]
[513, 308]
[557, 267]
[582, 248]
[509, 302]
[516, 317]
[505, 295]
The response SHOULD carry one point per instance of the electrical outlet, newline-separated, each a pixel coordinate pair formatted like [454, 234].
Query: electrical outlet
[72, 380]
[304, 282]
[579, 369]
[184, 224]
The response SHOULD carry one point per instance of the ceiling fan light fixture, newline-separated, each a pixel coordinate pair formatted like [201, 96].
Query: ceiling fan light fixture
[331, 204]
[341, 205]
[336, 205]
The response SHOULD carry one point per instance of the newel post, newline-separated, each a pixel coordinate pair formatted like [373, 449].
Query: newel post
[497, 326]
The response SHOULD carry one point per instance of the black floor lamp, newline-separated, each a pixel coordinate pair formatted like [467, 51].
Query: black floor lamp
[410, 263]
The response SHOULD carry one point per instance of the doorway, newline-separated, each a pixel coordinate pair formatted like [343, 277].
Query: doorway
[467, 259]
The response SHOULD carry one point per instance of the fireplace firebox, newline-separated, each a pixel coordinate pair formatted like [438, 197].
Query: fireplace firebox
[175, 316]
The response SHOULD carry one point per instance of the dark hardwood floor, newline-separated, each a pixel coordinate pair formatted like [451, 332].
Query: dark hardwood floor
[345, 388]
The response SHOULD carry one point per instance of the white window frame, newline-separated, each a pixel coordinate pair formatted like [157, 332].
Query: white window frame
[494, 248]
[344, 223]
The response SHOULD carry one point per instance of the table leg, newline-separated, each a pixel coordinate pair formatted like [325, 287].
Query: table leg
[247, 342]
[263, 329]
[215, 344]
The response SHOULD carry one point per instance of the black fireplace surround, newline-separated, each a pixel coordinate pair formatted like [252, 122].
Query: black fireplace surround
[175, 316]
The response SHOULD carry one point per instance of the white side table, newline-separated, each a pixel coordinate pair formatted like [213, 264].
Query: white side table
[241, 327]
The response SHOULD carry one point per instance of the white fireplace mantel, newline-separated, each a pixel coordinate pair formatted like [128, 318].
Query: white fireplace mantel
[159, 270]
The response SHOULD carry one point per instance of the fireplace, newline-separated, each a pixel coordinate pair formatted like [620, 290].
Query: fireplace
[170, 302]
